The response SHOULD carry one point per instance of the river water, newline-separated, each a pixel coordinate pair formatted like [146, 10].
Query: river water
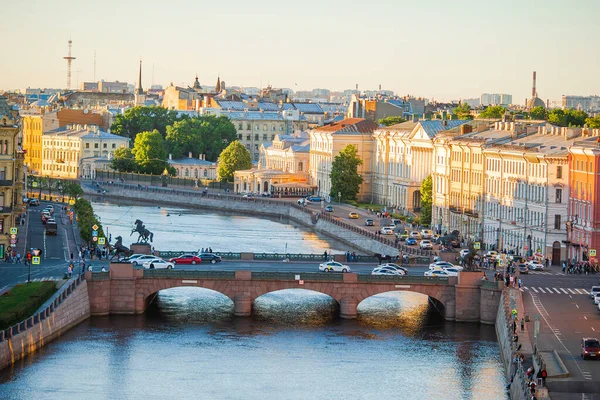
[192, 229]
[189, 346]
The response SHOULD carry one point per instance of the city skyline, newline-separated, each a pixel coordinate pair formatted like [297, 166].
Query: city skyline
[440, 51]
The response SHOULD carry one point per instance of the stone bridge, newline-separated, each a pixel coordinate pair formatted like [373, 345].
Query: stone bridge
[127, 290]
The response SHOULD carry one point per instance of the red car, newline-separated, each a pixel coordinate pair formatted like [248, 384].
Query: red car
[590, 348]
[186, 259]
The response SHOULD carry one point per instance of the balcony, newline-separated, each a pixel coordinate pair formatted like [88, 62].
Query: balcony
[5, 210]
[6, 182]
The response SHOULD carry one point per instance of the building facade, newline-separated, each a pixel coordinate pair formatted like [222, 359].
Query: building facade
[194, 168]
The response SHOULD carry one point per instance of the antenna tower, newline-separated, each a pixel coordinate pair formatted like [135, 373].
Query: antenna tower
[69, 61]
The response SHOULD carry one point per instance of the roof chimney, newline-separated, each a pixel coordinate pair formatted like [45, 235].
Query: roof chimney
[533, 92]
[190, 154]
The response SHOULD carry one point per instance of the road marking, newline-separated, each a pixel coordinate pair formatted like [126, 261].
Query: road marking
[45, 244]
[564, 291]
[584, 291]
[556, 290]
[584, 317]
[571, 290]
[541, 290]
[576, 306]
[578, 291]
[548, 289]
[593, 329]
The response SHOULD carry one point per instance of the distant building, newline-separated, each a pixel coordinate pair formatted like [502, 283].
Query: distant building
[113, 87]
[194, 168]
[584, 103]
[495, 99]
[375, 109]
[473, 103]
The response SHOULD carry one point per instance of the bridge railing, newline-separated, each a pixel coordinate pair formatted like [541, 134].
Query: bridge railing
[224, 255]
[183, 274]
[492, 284]
[291, 276]
[437, 280]
[100, 276]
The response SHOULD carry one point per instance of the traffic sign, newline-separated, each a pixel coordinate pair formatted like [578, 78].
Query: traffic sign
[301, 282]
[101, 240]
[34, 184]
[35, 260]
[13, 241]
[526, 247]
[94, 233]
[72, 202]
[592, 252]
[13, 236]
[95, 238]
[477, 245]
[14, 230]
[95, 227]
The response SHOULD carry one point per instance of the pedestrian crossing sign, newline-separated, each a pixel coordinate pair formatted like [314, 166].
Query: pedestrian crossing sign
[477, 245]
[592, 252]
[101, 240]
[14, 230]
[35, 260]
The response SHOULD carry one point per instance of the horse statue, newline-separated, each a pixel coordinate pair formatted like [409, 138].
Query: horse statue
[120, 249]
[144, 233]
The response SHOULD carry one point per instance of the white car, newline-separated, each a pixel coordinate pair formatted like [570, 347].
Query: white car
[415, 235]
[441, 265]
[139, 259]
[394, 266]
[386, 230]
[333, 266]
[594, 290]
[491, 254]
[439, 272]
[387, 271]
[426, 245]
[158, 263]
[535, 265]
[426, 233]
[454, 271]
[597, 298]
[464, 253]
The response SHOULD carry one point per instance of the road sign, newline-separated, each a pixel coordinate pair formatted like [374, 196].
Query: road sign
[301, 282]
[95, 227]
[13, 236]
[94, 233]
[592, 252]
[14, 230]
[13, 241]
[35, 260]
[72, 202]
[526, 247]
[101, 240]
[34, 184]
[477, 245]
[95, 238]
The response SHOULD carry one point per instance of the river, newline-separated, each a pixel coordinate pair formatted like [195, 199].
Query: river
[189, 346]
[187, 229]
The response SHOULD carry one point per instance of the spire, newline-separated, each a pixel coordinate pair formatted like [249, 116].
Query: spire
[140, 89]
[196, 83]
[218, 87]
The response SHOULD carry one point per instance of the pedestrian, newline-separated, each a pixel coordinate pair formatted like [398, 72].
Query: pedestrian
[103, 269]
[522, 324]
[90, 267]
[71, 256]
[544, 376]
[210, 249]
[514, 327]
[152, 250]
[18, 258]
[70, 270]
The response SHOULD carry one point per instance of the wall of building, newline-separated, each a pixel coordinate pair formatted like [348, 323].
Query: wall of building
[73, 308]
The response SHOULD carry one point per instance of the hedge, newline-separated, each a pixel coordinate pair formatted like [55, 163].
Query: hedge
[22, 301]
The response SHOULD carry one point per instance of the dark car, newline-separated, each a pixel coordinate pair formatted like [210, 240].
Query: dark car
[329, 208]
[186, 259]
[523, 269]
[369, 222]
[51, 228]
[590, 347]
[209, 257]
[314, 199]
[411, 241]
[34, 202]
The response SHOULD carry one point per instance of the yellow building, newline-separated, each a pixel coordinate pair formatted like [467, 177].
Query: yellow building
[11, 175]
[34, 124]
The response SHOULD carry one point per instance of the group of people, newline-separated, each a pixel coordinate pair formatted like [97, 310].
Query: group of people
[205, 250]
[579, 267]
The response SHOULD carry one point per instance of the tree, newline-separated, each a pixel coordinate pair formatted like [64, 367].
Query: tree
[235, 157]
[492, 112]
[86, 219]
[389, 121]
[124, 160]
[71, 188]
[538, 113]
[463, 111]
[426, 200]
[207, 135]
[568, 117]
[144, 119]
[593, 122]
[150, 153]
[344, 175]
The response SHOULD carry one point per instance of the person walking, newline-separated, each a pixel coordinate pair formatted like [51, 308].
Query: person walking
[544, 376]
[522, 324]
[18, 258]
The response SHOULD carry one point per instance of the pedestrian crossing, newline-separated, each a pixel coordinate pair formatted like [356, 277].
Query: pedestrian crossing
[543, 273]
[47, 278]
[554, 290]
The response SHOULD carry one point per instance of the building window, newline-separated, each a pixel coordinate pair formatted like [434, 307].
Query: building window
[105, 146]
[239, 126]
[558, 175]
[557, 221]
[87, 145]
[247, 137]
[248, 126]
[256, 137]
[559, 195]
[205, 173]
[95, 145]
[240, 136]
[264, 136]
[272, 137]
[114, 145]
[265, 127]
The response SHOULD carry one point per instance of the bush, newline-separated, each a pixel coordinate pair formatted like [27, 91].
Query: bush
[22, 301]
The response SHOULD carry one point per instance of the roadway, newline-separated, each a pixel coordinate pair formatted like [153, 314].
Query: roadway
[566, 314]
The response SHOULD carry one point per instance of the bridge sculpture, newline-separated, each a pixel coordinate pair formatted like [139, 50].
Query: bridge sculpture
[144, 234]
[128, 290]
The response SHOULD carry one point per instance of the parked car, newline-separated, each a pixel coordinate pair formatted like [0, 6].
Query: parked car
[426, 245]
[395, 266]
[329, 208]
[441, 264]
[34, 202]
[523, 269]
[158, 263]
[186, 259]
[315, 199]
[140, 259]
[387, 271]
[415, 235]
[353, 215]
[535, 265]
[333, 266]
[594, 290]
[439, 272]
[426, 233]
[386, 230]
[369, 222]
[590, 347]
[210, 257]
[410, 241]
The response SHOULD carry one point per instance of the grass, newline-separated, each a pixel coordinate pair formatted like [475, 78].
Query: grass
[376, 207]
[22, 301]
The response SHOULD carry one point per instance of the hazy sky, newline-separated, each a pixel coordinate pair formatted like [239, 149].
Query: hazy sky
[436, 48]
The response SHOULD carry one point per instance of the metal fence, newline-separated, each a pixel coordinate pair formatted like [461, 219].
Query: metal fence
[160, 180]
[291, 276]
[174, 273]
[403, 279]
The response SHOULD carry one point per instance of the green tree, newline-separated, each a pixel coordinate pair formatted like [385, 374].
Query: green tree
[389, 121]
[150, 153]
[568, 117]
[463, 111]
[426, 200]
[492, 112]
[144, 119]
[207, 135]
[235, 157]
[124, 160]
[593, 122]
[86, 219]
[538, 113]
[344, 175]
[71, 188]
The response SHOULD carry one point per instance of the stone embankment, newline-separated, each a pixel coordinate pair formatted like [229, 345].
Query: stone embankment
[349, 234]
[68, 307]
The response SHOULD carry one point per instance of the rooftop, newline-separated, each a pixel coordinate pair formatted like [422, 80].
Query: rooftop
[350, 125]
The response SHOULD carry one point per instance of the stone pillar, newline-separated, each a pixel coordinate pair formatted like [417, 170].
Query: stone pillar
[488, 306]
[141, 248]
[242, 306]
[468, 298]
[348, 307]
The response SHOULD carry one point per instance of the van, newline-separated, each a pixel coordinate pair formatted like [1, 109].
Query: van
[51, 228]
[594, 290]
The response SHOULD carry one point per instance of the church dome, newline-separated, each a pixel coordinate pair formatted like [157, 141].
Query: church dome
[536, 102]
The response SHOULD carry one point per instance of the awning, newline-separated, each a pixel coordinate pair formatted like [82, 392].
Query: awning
[299, 185]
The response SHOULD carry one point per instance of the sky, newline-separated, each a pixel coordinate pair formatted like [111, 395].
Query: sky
[438, 49]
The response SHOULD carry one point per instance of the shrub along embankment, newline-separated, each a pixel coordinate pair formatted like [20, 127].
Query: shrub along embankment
[22, 301]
